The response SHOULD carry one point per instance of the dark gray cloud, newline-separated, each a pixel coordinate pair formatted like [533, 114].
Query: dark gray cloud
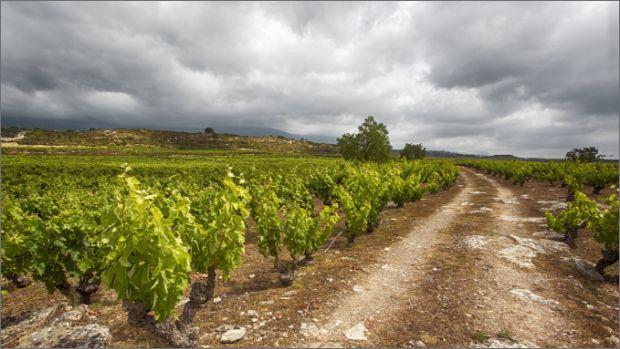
[532, 79]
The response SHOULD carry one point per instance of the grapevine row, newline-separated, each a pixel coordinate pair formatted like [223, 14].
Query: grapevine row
[142, 239]
[600, 217]
[598, 174]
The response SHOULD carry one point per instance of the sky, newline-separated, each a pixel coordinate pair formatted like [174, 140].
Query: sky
[522, 78]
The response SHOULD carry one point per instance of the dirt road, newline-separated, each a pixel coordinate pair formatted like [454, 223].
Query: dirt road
[478, 272]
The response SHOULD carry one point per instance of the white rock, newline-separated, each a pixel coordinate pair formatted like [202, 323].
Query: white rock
[308, 329]
[555, 205]
[529, 295]
[482, 209]
[522, 219]
[587, 270]
[420, 344]
[527, 243]
[251, 276]
[519, 255]
[233, 335]
[61, 335]
[356, 332]
[507, 201]
[358, 289]
[217, 299]
[549, 235]
[224, 328]
[70, 316]
[473, 242]
[251, 314]
[504, 343]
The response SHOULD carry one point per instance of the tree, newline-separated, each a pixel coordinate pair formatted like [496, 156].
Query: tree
[209, 130]
[586, 154]
[370, 144]
[349, 147]
[413, 151]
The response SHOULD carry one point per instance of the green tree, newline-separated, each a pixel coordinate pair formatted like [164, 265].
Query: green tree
[209, 130]
[370, 144]
[413, 151]
[349, 147]
[586, 154]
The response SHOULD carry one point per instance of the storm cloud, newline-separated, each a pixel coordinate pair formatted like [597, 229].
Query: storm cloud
[531, 79]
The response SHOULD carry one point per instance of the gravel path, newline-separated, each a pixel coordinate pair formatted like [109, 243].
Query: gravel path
[390, 278]
[493, 287]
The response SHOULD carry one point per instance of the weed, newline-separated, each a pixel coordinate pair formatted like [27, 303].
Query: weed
[505, 334]
[479, 336]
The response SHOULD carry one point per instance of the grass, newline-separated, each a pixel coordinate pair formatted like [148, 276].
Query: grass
[479, 336]
[505, 334]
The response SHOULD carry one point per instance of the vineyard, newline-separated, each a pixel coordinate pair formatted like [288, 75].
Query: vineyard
[159, 244]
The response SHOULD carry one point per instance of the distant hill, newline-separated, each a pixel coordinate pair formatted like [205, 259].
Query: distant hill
[453, 155]
[448, 154]
[88, 123]
[164, 139]
[247, 138]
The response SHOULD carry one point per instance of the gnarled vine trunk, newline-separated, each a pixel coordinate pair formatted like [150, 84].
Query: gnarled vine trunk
[199, 295]
[89, 284]
[570, 197]
[597, 189]
[370, 228]
[570, 236]
[350, 239]
[276, 264]
[609, 258]
[178, 333]
[138, 313]
[19, 281]
[287, 277]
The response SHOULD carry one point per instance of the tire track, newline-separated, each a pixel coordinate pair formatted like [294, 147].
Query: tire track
[481, 287]
[518, 298]
[391, 278]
